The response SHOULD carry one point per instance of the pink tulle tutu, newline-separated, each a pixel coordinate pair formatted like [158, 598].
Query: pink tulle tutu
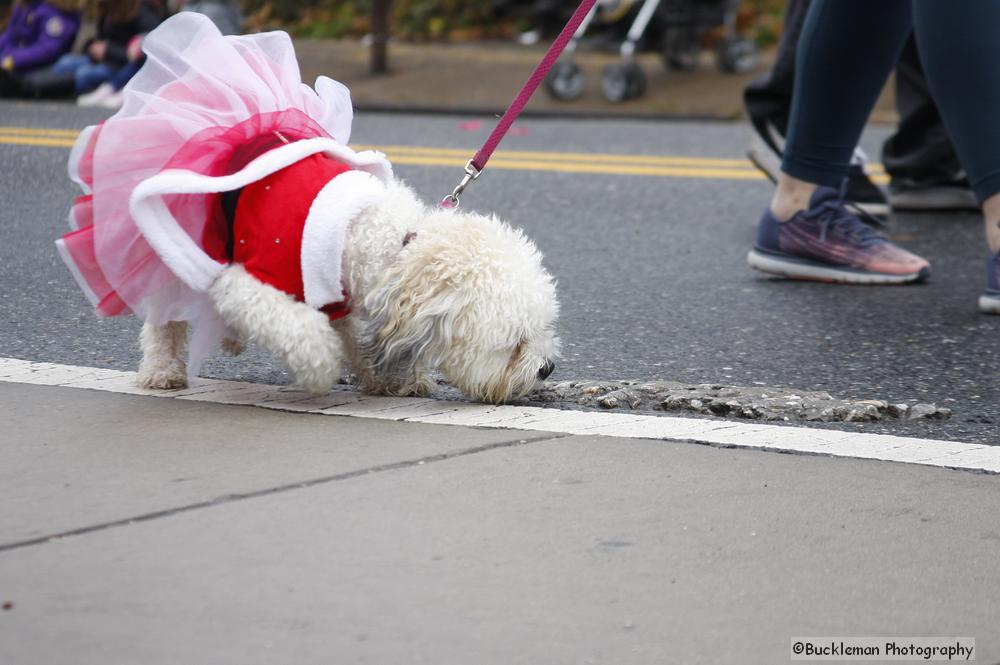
[216, 111]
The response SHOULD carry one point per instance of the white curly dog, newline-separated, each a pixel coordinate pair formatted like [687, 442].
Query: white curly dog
[223, 193]
[460, 293]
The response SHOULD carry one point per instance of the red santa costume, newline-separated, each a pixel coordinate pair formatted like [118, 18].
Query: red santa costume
[209, 114]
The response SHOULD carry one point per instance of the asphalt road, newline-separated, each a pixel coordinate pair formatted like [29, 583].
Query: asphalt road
[651, 272]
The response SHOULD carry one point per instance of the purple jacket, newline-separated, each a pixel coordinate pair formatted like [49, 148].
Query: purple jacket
[38, 34]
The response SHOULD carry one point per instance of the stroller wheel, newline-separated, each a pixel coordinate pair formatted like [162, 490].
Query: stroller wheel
[565, 81]
[680, 49]
[624, 81]
[736, 55]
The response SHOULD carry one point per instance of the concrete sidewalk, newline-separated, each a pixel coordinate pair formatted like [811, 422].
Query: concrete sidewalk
[485, 76]
[226, 534]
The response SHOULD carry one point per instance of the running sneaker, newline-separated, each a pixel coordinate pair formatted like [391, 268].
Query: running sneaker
[989, 302]
[767, 148]
[829, 243]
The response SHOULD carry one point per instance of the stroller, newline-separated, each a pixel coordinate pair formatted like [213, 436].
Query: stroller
[681, 24]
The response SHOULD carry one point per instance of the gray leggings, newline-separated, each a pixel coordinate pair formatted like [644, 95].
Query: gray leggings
[848, 48]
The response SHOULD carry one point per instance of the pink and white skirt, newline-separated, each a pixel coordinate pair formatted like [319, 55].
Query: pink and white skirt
[205, 107]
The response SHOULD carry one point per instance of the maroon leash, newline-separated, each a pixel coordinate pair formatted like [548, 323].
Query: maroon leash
[475, 166]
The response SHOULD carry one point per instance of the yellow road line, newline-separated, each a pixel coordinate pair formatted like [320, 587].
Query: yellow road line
[11, 134]
[570, 167]
[511, 160]
[33, 140]
[464, 153]
[584, 157]
[519, 160]
[32, 131]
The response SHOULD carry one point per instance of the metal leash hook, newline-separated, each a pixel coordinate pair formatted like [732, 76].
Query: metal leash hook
[514, 110]
[471, 173]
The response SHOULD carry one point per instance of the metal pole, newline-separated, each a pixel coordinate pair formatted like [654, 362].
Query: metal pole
[380, 36]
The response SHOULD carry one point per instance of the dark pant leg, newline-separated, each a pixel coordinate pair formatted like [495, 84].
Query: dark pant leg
[10, 84]
[48, 83]
[124, 74]
[846, 51]
[769, 97]
[90, 76]
[920, 152]
[960, 52]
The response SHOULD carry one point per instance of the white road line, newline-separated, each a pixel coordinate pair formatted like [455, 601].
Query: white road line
[344, 401]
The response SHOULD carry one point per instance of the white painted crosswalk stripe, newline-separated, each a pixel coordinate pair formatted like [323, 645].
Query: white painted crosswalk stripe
[344, 401]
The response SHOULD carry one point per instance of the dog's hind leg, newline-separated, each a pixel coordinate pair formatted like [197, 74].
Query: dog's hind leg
[162, 366]
[262, 314]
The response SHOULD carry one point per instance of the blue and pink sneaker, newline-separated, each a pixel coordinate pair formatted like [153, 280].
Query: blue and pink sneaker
[830, 243]
[989, 301]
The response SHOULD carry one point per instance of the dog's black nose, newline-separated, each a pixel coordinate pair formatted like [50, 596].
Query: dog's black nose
[545, 370]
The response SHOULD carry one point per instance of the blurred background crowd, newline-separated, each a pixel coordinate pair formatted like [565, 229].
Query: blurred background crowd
[88, 49]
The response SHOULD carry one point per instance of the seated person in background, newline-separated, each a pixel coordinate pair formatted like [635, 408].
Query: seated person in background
[109, 95]
[226, 16]
[118, 22]
[39, 33]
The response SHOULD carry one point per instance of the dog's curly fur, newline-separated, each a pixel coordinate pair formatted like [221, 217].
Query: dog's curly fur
[466, 295]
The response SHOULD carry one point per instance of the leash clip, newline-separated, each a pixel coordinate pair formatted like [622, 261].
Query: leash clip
[471, 173]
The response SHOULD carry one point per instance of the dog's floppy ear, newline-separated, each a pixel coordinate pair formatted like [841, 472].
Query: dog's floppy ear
[411, 313]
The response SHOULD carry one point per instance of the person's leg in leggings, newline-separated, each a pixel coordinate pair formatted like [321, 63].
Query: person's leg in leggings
[961, 55]
[768, 101]
[919, 156]
[846, 52]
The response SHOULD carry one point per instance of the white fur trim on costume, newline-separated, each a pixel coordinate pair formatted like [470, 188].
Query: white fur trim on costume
[325, 234]
[176, 248]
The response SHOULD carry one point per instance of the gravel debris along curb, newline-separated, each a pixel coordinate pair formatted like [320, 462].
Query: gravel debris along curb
[751, 403]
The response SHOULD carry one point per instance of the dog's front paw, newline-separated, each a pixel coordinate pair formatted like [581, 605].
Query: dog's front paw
[315, 379]
[315, 361]
[171, 376]
[420, 387]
